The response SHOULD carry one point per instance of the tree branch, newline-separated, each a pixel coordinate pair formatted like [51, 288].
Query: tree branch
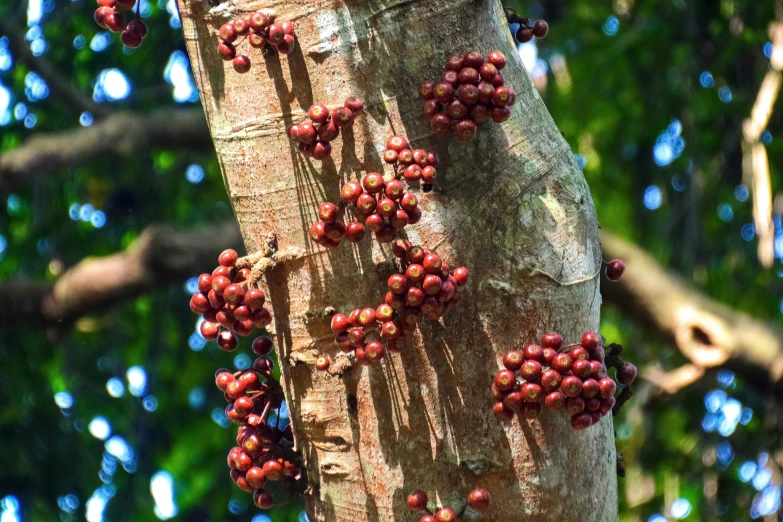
[59, 85]
[708, 333]
[160, 256]
[121, 134]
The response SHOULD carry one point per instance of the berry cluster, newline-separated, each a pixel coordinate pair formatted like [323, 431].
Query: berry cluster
[526, 32]
[571, 378]
[615, 269]
[260, 31]
[382, 205]
[109, 18]
[263, 453]
[226, 300]
[471, 91]
[314, 138]
[424, 287]
[413, 165]
[478, 499]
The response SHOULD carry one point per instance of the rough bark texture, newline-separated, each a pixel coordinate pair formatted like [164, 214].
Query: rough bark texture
[512, 205]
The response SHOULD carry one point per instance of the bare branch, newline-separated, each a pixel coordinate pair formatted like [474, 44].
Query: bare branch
[160, 256]
[59, 85]
[121, 134]
[708, 333]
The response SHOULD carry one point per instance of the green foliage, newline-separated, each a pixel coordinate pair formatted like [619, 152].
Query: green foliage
[611, 95]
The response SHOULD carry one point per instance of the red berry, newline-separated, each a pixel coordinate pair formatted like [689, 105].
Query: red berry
[531, 370]
[443, 92]
[130, 38]
[581, 421]
[199, 303]
[607, 405]
[572, 386]
[454, 63]
[445, 515]
[575, 405]
[513, 360]
[307, 133]
[582, 369]
[397, 144]
[390, 330]
[524, 34]
[514, 401]
[465, 130]
[258, 21]
[234, 294]
[550, 380]
[450, 77]
[209, 330]
[425, 90]
[457, 110]
[540, 29]
[552, 340]
[598, 370]
[417, 501]
[241, 63]
[485, 91]
[473, 59]
[100, 15]
[354, 104]
[114, 21]
[593, 404]
[532, 392]
[591, 341]
[321, 150]
[534, 352]
[497, 59]
[254, 299]
[549, 355]
[354, 232]
[262, 345]
[626, 374]
[432, 284]
[502, 413]
[555, 401]
[579, 353]
[342, 117]
[505, 380]
[590, 388]
[263, 499]
[373, 182]
[500, 114]
[470, 76]
[428, 174]
[351, 191]
[479, 499]
[440, 124]
[318, 113]
[607, 387]
[322, 363]
[227, 341]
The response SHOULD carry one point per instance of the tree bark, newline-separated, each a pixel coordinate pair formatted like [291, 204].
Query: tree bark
[512, 206]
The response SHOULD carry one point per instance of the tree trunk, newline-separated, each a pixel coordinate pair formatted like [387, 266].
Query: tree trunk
[512, 205]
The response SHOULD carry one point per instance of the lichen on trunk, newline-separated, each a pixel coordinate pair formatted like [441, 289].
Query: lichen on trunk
[512, 205]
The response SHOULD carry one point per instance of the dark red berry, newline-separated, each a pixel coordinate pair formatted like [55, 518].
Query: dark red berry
[397, 143]
[500, 114]
[445, 515]
[321, 150]
[479, 499]
[591, 341]
[454, 63]
[417, 501]
[354, 104]
[606, 387]
[582, 369]
[555, 401]
[130, 38]
[318, 113]
[263, 345]
[513, 360]
[497, 59]
[531, 370]
[524, 34]
[626, 373]
[531, 410]
[581, 421]
[473, 59]
[354, 231]
[590, 388]
[426, 90]
[550, 380]
[342, 117]
[241, 63]
[552, 340]
[440, 124]
[443, 92]
[579, 353]
[114, 21]
[505, 380]
[572, 386]
[351, 191]
[322, 363]
[465, 130]
[540, 29]
[254, 299]
[263, 499]
[227, 341]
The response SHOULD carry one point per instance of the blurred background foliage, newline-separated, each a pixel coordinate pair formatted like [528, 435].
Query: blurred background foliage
[117, 418]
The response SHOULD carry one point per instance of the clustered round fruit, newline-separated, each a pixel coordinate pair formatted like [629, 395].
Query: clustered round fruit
[109, 18]
[478, 499]
[571, 378]
[412, 165]
[425, 286]
[261, 31]
[314, 137]
[229, 305]
[615, 269]
[526, 32]
[384, 206]
[263, 453]
[471, 92]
